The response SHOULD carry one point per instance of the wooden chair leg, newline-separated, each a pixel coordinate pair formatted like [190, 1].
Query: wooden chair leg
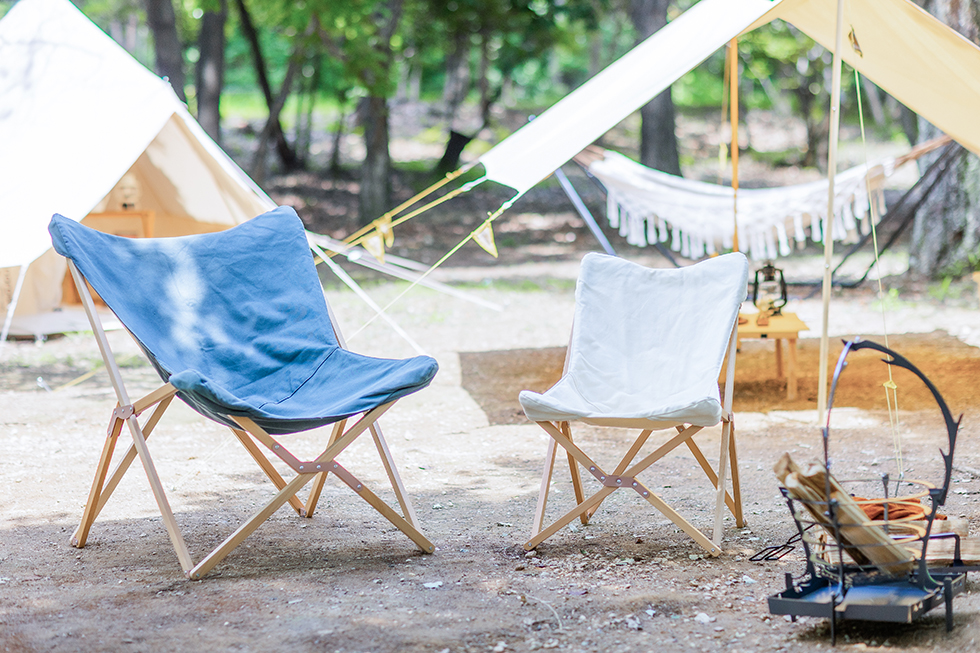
[712, 476]
[723, 464]
[89, 516]
[209, 561]
[91, 506]
[736, 485]
[683, 524]
[575, 473]
[565, 519]
[386, 511]
[180, 547]
[321, 478]
[267, 467]
[546, 473]
[393, 477]
[127, 460]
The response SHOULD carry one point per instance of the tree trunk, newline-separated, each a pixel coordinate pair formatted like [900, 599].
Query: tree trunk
[457, 80]
[169, 53]
[375, 195]
[334, 166]
[210, 72]
[286, 154]
[272, 124]
[946, 231]
[658, 142]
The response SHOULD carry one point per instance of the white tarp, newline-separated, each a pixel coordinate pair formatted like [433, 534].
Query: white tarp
[77, 114]
[908, 53]
[543, 145]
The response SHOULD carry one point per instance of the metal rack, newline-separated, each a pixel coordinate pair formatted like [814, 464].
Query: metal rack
[871, 569]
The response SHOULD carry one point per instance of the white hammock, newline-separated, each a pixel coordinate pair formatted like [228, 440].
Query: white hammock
[649, 206]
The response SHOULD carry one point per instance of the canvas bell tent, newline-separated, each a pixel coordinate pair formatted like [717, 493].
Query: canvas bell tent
[88, 132]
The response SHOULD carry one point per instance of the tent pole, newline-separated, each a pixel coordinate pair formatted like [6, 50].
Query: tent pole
[583, 211]
[828, 225]
[12, 306]
[733, 102]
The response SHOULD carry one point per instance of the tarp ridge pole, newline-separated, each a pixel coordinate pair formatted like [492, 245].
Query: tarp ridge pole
[733, 102]
[828, 240]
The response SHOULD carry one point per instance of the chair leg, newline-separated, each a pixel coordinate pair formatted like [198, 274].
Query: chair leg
[393, 477]
[209, 561]
[549, 467]
[712, 475]
[267, 467]
[321, 478]
[575, 474]
[81, 534]
[683, 524]
[736, 484]
[91, 506]
[183, 555]
[717, 533]
[565, 519]
[291, 488]
[624, 469]
[375, 502]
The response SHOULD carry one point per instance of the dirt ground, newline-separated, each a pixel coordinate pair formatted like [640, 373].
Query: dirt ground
[346, 580]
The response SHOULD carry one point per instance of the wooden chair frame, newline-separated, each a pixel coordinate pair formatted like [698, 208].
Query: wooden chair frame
[624, 476]
[248, 434]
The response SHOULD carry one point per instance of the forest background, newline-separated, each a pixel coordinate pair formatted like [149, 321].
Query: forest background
[288, 74]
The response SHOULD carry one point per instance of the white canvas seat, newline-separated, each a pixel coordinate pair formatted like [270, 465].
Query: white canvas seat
[646, 352]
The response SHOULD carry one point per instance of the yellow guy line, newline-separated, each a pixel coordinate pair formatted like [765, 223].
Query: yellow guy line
[891, 388]
[493, 216]
[358, 235]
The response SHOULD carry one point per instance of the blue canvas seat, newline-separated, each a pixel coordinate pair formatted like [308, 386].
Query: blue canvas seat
[237, 326]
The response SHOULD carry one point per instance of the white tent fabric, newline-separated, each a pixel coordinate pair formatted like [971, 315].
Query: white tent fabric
[908, 53]
[647, 344]
[694, 217]
[77, 115]
[540, 147]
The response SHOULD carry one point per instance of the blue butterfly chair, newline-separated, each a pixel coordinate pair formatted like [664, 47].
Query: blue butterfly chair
[237, 326]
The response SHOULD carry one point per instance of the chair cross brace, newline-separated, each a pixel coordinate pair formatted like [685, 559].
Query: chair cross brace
[624, 476]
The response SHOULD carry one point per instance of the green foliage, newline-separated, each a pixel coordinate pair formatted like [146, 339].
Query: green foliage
[890, 302]
[944, 290]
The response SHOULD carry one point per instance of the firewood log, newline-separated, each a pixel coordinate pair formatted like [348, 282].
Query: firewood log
[867, 543]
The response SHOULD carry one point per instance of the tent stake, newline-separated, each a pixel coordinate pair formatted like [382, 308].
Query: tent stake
[828, 225]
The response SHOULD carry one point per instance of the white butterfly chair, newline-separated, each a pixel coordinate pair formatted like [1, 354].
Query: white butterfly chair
[646, 351]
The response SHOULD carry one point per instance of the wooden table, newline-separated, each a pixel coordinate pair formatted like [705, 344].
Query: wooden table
[781, 327]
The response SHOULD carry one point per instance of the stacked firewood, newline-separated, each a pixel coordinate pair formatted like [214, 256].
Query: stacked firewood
[864, 540]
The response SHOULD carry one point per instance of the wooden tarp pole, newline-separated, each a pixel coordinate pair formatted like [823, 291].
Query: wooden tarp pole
[733, 102]
[828, 225]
